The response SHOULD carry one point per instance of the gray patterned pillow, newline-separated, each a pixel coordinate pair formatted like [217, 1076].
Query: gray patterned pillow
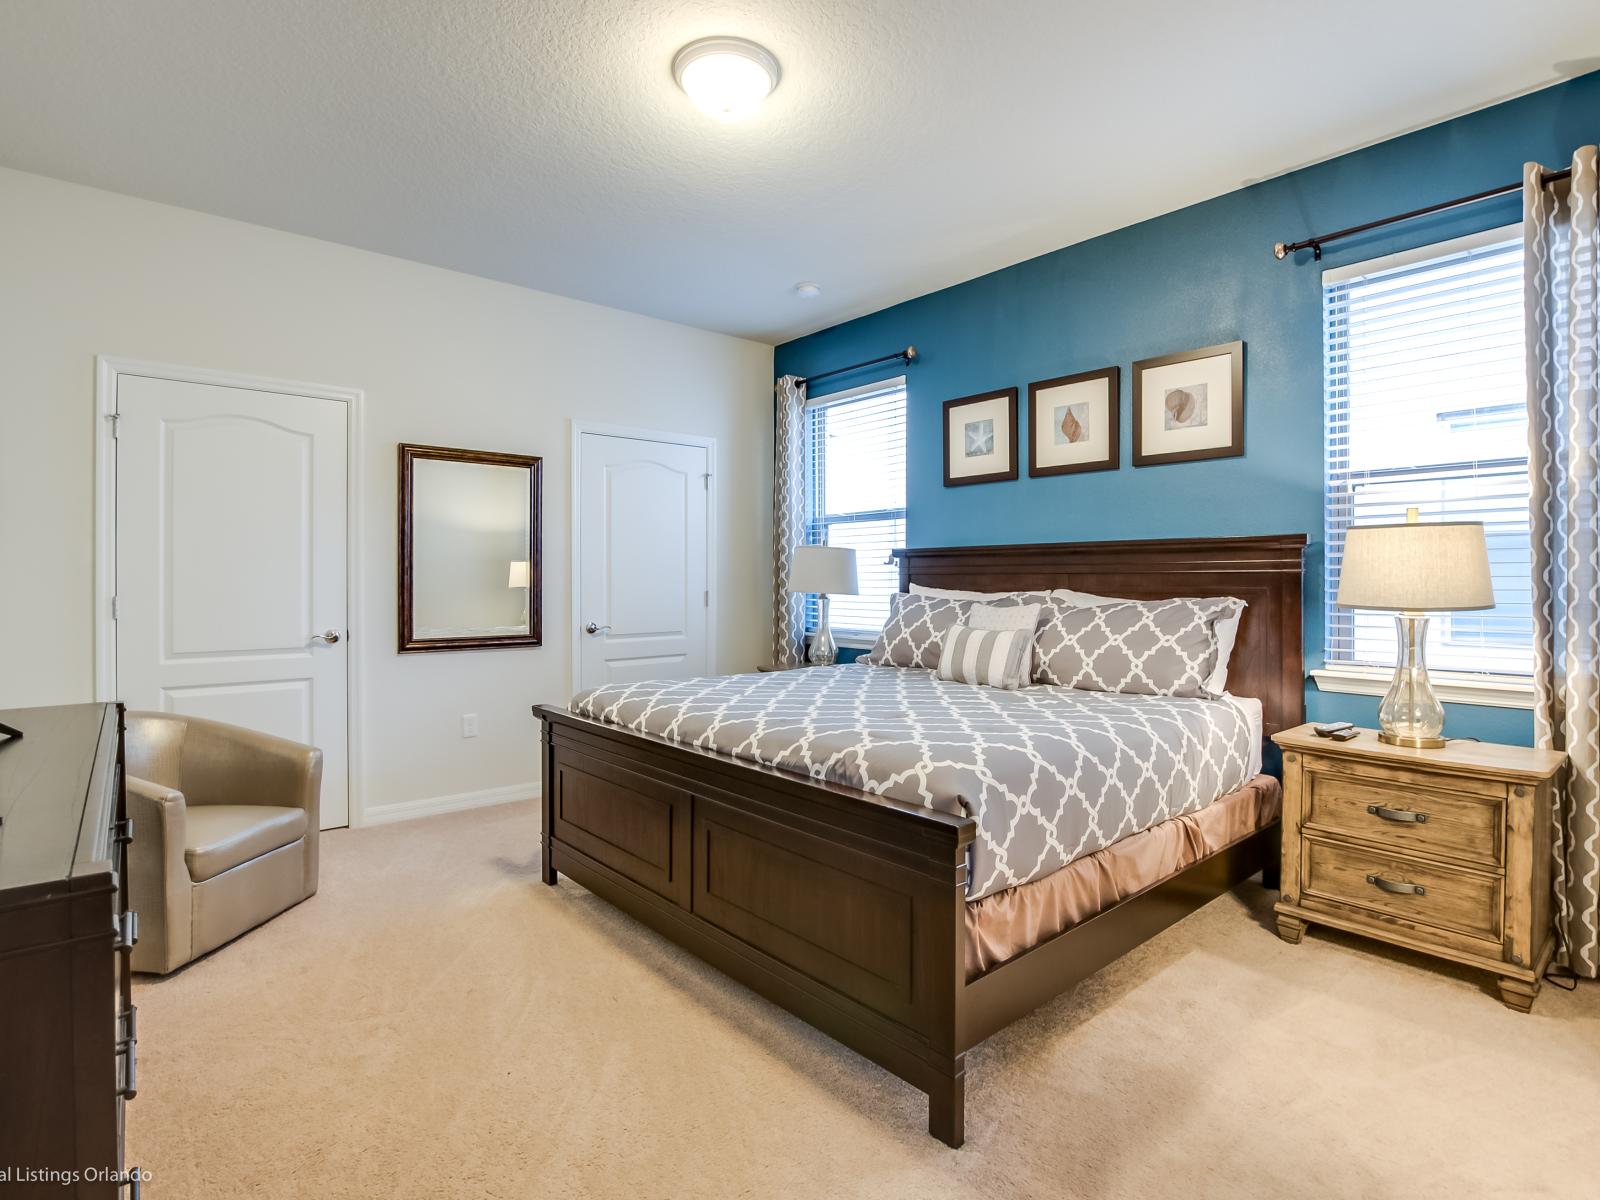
[1139, 647]
[914, 633]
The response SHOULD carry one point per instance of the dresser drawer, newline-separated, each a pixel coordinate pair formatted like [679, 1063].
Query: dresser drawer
[1399, 815]
[1419, 893]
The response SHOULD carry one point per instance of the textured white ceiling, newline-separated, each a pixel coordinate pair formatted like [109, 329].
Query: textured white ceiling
[912, 143]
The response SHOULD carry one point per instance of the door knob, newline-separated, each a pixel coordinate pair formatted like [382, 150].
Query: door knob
[331, 637]
[592, 628]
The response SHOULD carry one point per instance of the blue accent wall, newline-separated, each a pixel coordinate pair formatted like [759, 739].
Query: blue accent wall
[1192, 278]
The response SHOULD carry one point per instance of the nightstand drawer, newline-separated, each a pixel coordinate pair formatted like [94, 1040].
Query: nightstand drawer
[1417, 892]
[1398, 815]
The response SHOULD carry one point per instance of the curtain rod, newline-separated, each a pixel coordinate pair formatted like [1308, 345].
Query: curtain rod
[1315, 245]
[908, 356]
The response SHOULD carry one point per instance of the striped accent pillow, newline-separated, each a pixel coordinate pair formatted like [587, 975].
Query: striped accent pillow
[986, 657]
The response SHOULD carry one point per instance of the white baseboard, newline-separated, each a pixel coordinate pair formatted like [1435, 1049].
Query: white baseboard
[429, 806]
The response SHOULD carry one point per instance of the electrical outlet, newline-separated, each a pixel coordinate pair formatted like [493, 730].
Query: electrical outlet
[469, 725]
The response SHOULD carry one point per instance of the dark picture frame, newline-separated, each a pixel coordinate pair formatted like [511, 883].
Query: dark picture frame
[1008, 396]
[1233, 448]
[1113, 458]
[410, 643]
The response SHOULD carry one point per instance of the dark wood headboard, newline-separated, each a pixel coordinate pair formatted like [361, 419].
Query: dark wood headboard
[1266, 572]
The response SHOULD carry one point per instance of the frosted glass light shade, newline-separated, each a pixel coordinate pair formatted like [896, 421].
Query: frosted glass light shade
[1417, 567]
[726, 77]
[825, 570]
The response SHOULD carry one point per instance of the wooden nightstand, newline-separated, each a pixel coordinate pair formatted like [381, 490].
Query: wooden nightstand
[1443, 851]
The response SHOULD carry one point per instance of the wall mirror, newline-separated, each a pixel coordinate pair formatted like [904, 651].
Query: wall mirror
[469, 549]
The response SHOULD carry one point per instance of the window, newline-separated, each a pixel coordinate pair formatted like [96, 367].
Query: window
[856, 497]
[1426, 409]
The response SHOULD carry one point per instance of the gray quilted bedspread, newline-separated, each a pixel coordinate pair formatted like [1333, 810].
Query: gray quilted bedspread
[1047, 773]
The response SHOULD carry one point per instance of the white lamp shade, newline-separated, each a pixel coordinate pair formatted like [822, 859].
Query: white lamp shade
[519, 575]
[1438, 567]
[826, 570]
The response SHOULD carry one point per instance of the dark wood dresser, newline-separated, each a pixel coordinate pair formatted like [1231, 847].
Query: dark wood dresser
[68, 1032]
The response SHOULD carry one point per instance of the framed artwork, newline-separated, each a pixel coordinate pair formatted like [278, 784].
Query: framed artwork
[1072, 423]
[1189, 406]
[980, 438]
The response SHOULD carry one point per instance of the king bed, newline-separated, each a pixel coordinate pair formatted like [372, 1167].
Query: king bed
[910, 864]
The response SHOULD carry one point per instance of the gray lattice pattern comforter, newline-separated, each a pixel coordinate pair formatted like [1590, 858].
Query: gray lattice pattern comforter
[1048, 773]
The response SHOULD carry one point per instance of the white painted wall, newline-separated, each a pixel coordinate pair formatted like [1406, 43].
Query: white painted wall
[444, 359]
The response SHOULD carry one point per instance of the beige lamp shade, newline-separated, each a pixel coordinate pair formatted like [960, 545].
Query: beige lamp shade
[826, 570]
[519, 575]
[1417, 567]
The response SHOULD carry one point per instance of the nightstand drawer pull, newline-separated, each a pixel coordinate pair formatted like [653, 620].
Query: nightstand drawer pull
[1396, 887]
[1398, 814]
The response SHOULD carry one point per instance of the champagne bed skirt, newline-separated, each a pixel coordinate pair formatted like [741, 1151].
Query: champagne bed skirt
[1003, 925]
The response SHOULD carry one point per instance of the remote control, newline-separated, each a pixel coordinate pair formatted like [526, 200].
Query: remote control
[1331, 728]
[1343, 735]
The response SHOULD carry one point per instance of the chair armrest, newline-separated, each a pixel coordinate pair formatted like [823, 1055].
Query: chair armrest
[224, 764]
[158, 877]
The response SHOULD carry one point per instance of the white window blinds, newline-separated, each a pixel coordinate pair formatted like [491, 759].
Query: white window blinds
[856, 497]
[1426, 408]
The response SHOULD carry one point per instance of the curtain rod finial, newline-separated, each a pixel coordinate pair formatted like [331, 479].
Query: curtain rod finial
[911, 354]
[1279, 250]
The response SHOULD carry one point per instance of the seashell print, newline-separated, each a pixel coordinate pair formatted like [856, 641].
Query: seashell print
[1186, 407]
[1072, 424]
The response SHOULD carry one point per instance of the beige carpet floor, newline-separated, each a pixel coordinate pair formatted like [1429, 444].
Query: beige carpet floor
[436, 1023]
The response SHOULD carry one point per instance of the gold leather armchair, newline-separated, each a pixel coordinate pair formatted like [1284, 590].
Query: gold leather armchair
[224, 833]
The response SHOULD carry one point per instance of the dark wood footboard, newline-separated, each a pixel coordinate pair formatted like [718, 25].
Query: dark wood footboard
[842, 908]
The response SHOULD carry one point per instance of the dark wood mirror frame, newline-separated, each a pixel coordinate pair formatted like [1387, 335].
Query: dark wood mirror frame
[409, 642]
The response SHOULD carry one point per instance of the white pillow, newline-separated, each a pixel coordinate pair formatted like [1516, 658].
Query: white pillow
[947, 594]
[1067, 595]
[1227, 634]
[1085, 599]
[1010, 616]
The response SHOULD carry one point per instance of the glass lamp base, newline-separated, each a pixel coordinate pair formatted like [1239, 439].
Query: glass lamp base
[1410, 714]
[824, 653]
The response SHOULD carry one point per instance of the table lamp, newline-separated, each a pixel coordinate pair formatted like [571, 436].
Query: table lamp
[824, 570]
[1412, 570]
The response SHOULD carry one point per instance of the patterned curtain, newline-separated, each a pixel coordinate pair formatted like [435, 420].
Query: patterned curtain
[1562, 290]
[788, 521]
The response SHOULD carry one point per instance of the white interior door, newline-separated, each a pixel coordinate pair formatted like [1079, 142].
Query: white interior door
[231, 563]
[641, 558]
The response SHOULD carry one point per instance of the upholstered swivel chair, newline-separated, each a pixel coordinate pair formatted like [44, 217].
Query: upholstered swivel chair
[224, 833]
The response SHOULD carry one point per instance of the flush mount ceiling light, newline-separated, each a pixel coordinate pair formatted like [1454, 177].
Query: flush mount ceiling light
[808, 289]
[726, 77]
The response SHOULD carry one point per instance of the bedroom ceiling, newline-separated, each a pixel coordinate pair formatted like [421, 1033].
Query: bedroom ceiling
[911, 144]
